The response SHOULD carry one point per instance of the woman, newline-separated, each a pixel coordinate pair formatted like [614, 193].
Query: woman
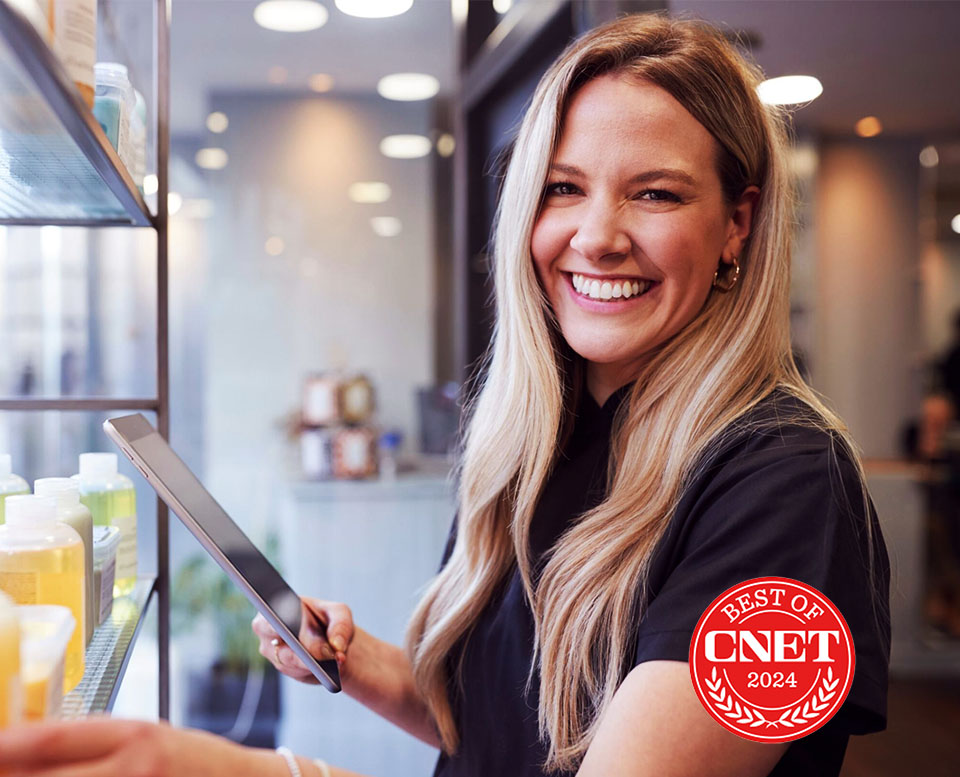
[641, 442]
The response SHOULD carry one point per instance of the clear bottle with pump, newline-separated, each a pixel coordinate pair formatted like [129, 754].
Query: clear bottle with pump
[73, 513]
[41, 562]
[11, 689]
[10, 484]
[113, 502]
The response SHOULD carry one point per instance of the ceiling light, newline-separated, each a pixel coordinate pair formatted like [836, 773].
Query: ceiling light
[408, 86]
[386, 226]
[929, 156]
[374, 9]
[446, 144]
[955, 223]
[218, 122]
[150, 184]
[405, 146]
[277, 74]
[502, 6]
[174, 201]
[789, 90]
[211, 158]
[290, 15]
[868, 127]
[369, 191]
[274, 245]
[320, 82]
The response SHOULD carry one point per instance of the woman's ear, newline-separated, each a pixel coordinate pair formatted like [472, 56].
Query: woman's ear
[740, 223]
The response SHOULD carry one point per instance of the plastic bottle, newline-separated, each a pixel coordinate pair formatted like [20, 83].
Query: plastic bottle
[11, 691]
[10, 484]
[73, 37]
[113, 106]
[45, 631]
[112, 502]
[41, 562]
[138, 124]
[71, 512]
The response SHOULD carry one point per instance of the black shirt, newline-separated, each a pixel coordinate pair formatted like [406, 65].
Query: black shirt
[768, 503]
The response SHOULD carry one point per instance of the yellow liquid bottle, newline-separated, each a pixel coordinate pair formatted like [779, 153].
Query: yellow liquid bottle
[42, 562]
[112, 501]
[10, 484]
[69, 511]
[11, 692]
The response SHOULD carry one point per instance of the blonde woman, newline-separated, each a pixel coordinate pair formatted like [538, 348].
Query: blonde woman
[640, 442]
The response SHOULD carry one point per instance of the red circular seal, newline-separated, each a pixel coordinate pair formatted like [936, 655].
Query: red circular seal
[772, 659]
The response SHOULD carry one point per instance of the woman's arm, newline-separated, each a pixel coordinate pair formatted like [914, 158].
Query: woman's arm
[374, 672]
[379, 676]
[656, 725]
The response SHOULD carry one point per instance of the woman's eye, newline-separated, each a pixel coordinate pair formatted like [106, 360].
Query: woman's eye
[659, 195]
[555, 188]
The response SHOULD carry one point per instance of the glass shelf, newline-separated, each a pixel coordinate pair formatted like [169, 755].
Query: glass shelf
[56, 164]
[108, 653]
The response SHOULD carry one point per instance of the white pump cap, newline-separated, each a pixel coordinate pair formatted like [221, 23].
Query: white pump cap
[6, 465]
[31, 510]
[65, 490]
[97, 464]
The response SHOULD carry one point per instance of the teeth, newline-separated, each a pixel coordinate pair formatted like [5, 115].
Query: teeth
[608, 289]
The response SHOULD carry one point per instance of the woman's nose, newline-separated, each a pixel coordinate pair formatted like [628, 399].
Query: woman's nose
[600, 233]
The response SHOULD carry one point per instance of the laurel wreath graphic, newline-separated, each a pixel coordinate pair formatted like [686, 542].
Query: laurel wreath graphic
[799, 715]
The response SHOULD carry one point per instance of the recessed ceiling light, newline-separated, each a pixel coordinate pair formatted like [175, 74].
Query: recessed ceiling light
[929, 156]
[218, 122]
[174, 201]
[277, 74]
[868, 127]
[502, 6]
[290, 15]
[386, 226]
[408, 86]
[320, 82]
[446, 145]
[955, 223]
[150, 184]
[374, 9]
[405, 146]
[789, 90]
[369, 191]
[274, 245]
[211, 158]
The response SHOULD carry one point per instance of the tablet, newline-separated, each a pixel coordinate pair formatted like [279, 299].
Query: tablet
[176, 485]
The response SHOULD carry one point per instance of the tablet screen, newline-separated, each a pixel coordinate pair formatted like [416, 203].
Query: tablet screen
[242, 554]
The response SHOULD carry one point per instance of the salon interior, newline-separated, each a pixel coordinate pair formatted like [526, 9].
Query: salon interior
[330, 177]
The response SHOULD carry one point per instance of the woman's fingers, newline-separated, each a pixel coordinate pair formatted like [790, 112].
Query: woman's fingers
[338, 619]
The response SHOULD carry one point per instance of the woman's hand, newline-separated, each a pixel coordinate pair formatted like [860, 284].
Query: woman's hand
[101, 747]
[338, 621]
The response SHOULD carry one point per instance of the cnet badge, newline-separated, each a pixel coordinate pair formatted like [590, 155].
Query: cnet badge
[772, 659]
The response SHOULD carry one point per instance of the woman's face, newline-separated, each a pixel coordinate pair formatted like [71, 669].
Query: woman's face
[633, 224]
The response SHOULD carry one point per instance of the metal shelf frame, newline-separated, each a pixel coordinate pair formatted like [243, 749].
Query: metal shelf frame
[62, 97]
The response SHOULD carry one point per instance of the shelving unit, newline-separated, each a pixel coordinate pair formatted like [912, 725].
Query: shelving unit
[57, 168]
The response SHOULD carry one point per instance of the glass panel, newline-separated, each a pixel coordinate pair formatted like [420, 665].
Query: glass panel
[77, 312]
[48, 443]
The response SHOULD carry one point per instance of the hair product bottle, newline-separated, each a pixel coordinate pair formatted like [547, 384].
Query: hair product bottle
[10, 484]
[112, 502]
[71, 512]
[11, 692]
[41, 562]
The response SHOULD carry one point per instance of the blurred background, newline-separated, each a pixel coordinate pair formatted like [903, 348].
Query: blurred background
[328, 236]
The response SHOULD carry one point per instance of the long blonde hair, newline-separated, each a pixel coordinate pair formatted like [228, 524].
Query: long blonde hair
[734, 353]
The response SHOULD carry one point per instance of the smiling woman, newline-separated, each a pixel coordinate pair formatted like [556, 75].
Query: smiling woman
[640, 442]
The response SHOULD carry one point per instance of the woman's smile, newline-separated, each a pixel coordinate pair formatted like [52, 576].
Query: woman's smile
[608, 294]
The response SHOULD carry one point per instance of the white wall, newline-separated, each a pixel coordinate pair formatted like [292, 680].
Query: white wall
[338, 297]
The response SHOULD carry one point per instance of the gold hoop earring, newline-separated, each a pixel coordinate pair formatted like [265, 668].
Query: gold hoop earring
[732, 277]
